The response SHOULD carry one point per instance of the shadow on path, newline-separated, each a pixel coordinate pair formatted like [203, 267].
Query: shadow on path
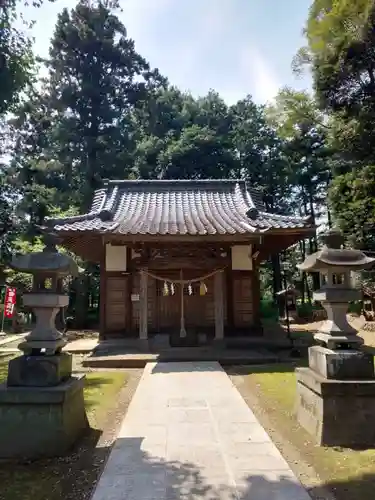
[135, 474]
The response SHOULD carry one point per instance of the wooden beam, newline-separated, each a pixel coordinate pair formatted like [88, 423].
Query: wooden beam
[219, 305]
[143, 307]
[274, 244]
[197, 239]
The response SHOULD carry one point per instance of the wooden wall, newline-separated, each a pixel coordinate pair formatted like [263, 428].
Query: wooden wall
[242, 299]
[151, 302]
[122, 315]
[116, 311]
[164, 311]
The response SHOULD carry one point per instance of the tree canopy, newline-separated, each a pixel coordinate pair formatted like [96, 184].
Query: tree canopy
[102, 112]
[340, 53]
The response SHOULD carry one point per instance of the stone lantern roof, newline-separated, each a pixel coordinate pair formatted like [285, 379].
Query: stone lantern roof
[47, 262]
[333, 256]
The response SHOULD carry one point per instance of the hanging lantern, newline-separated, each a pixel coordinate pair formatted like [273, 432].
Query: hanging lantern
[190, 289]
[165, 289]
[172, 289]
[202, 289]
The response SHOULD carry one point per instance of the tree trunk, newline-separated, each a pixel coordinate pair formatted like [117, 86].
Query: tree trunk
[329, 217]
[302, 249]
[305, 282]
[81, 301]
[313, 245]
[16, 327]
[276, 274]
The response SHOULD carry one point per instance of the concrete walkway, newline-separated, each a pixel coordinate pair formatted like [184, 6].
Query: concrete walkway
[188, 434]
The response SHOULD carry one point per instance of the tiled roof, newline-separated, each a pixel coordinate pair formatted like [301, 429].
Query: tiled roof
[198, 207]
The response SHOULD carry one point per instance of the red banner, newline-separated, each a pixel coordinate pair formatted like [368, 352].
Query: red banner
[10, 301]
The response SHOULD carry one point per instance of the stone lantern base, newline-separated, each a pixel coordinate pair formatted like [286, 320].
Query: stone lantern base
[336, 397]
[341, 364]
[38, 422]
[39, 370]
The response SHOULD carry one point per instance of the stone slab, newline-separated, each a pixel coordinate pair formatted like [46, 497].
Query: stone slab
[332, 387]
[188, 434]
[41, 422]
[81, 346]
[336, 413]
[337, 341]
[341, 364]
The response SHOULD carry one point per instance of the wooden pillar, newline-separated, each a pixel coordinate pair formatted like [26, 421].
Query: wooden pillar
[229, 296]
[143, 309]
[102, 297]
[219, 305]
[256, 300]
[129, 291]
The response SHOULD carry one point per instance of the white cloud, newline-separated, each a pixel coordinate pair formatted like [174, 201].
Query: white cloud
[197, 44]
[257, 71]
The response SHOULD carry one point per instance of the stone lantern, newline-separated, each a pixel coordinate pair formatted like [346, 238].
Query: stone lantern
[335, 265]
[41, 404]
[340, 373]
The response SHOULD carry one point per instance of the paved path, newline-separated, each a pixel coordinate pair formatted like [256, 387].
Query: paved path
[8, 338]
[188, 434]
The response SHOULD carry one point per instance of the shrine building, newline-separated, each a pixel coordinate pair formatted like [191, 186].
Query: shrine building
[179, 257]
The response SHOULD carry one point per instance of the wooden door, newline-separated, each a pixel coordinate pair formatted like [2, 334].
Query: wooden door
[198, 308]
[243, 299]
[168, 306]
[116, 303]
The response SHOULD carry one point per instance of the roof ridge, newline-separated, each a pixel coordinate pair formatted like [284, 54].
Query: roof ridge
[107, 182]
[286, 216]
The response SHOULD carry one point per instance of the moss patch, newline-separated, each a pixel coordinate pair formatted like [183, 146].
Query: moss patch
[72, 476]
[349, 474]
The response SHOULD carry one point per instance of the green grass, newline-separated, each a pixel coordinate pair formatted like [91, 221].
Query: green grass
[72, 476]
[350, 474]
[4, 366]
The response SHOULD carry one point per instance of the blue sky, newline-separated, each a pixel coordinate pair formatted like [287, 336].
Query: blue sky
[236, 47]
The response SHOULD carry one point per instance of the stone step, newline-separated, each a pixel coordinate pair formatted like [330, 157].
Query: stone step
[140, 360]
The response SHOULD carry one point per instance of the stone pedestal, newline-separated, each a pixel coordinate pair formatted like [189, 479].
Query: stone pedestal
[336, 394]
[42, 421]
[39, 371]
[341, 364]
[336, 412]
[335, 302]
[45, 334]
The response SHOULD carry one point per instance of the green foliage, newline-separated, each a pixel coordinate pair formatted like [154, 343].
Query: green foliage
[16, 57]
[269, 310]
[340, 39]
[355, 308]
[305, 311]
[353, 198]
[102, 112]
[76, 130]
[16, 76]
[297, 120]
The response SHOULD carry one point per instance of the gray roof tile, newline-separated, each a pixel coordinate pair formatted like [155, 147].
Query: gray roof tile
[198, 207]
